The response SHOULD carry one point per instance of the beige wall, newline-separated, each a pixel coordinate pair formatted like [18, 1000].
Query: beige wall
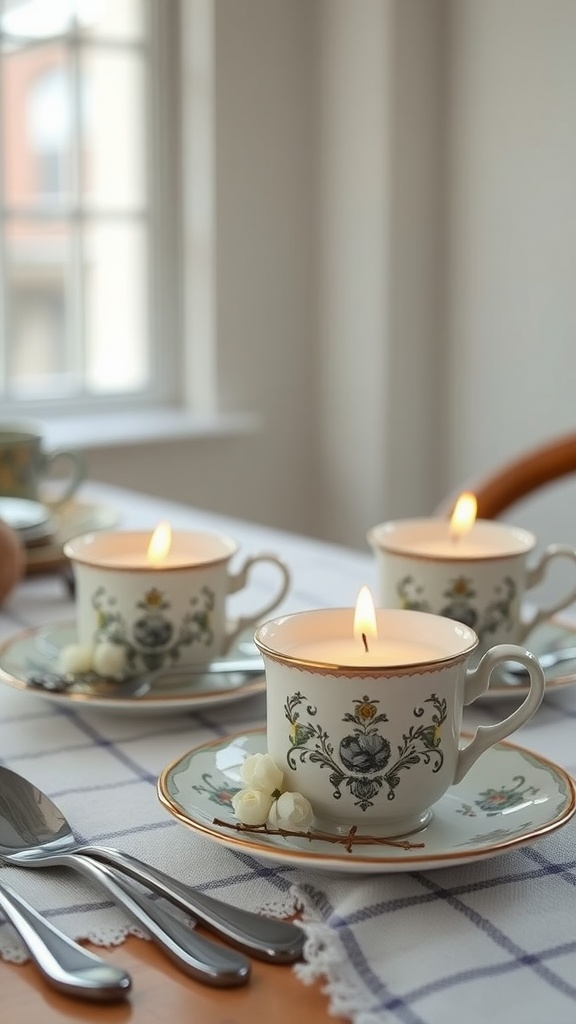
[252, 277]
[511, 323]
[381, 279]
[395, 213]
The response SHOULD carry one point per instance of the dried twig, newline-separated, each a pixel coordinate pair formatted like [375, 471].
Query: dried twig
[347, 841]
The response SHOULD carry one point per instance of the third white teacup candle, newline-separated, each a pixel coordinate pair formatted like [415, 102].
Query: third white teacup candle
[474, 571]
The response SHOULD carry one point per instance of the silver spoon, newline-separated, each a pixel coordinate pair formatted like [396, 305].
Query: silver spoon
[34, 832]
[547, 660]
[234, 672]
[66, 965]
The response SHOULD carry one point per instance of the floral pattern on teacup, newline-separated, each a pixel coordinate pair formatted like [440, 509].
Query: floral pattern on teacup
[461, 603]
[364, 758]
[155, 638]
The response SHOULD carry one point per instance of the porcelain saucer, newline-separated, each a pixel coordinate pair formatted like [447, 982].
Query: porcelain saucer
[37, 651]
[553, 635]
[32, 521]
[509, 798]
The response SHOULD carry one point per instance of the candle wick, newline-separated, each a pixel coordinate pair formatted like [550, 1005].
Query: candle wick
[365, 642]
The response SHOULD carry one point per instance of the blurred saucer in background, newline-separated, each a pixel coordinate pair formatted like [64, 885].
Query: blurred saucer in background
[31, 520]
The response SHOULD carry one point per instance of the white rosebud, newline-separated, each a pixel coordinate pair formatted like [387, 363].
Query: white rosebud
[259, 771]
[74, 658]
[109, 660]
[251, 806]
[291, 811]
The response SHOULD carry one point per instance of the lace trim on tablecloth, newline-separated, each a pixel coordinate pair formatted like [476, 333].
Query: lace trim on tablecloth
[325, 961]
[16, 952]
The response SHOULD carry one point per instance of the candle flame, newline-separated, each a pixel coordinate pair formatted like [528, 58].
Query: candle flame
[365, 628]
[464, 515]
[160, 543]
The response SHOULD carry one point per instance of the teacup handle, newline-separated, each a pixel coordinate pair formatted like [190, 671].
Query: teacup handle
[77, 472]
[238, 580]
[477, 681]
[534, 576]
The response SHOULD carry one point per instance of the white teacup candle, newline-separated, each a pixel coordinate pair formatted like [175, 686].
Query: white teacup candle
[146, 601]
[374, 742]
[474, 571]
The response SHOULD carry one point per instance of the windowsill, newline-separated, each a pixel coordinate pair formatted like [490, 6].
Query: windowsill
[111, 430]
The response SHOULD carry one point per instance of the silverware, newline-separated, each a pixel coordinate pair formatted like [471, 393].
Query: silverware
[67, 966]
[34, 834]
[515, 673]
[88, 683]
[140, 685]
[39, 833]
[263, 937]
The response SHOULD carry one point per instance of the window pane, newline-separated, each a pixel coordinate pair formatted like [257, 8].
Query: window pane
[76, 182]
[42, 19]
[37, 126]
[116, 308]
[38, 260]
[114, 158]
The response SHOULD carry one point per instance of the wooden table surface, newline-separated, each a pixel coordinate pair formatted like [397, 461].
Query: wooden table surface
[162, 993]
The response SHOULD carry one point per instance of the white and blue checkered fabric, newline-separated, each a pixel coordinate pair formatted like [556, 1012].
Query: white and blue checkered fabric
[489, 941]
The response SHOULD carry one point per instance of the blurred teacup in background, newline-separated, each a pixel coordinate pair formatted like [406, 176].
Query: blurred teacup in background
[26, 465]
[147, 601]
[479, 576]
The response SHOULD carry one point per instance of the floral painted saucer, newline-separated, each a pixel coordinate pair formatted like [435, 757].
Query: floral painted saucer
[551, 636]
[35, 652]
[509, 798]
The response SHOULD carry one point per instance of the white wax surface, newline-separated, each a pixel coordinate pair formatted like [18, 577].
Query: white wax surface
[460, 547]
[381, 653]
[129, 550]
[431, 538]
[134, 560]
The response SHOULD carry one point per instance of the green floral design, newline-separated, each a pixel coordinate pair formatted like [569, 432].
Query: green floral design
[154, 638]
[461, 603]
[364, 763]
[221, 795]
[493, 801]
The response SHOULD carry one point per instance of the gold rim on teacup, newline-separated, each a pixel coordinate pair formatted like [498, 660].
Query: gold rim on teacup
[340, 621]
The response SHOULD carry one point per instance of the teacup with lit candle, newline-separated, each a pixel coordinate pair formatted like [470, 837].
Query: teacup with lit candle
[146, 601]
[476, 571]
[364, 711]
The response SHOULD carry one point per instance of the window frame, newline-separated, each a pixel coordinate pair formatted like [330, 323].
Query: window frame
[165, 293]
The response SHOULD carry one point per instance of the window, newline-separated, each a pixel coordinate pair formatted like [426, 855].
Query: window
[88, 229]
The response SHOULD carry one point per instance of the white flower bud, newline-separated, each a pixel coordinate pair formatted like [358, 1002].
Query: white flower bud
[259, 771]
[251, 806]
[74, 658]
[291, 811]
[109, 660]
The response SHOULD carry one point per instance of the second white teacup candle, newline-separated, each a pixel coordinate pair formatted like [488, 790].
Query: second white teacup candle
[476, 572]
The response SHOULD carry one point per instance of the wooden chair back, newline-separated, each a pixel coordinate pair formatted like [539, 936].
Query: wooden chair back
[519, 477]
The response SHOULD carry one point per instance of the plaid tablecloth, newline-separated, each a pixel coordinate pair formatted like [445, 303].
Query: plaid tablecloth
[495, 940]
